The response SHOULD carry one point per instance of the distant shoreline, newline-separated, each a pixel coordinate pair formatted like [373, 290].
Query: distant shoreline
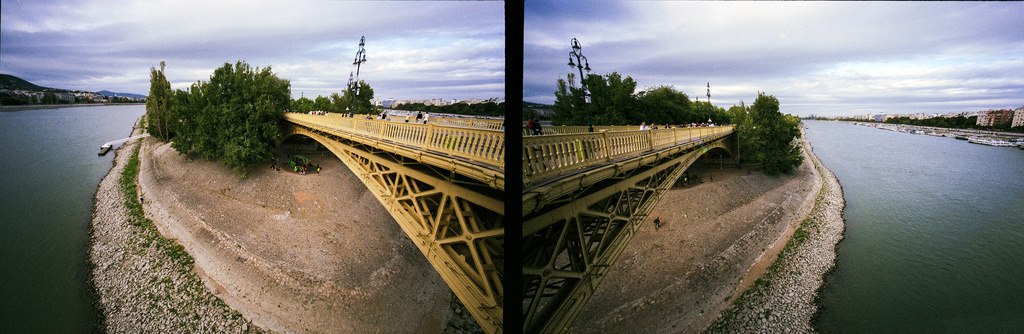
[58, 106]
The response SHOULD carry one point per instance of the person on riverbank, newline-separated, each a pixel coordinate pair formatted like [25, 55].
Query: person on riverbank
[657, 223]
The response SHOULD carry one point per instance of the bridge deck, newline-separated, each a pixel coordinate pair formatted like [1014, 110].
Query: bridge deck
[552, 156]
[477, 153]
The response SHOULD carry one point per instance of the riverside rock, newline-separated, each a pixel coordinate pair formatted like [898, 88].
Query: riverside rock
[141, 288]
[793, 281]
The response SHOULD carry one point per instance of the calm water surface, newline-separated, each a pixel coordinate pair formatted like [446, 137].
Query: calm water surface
[934, 239]
[49, 172]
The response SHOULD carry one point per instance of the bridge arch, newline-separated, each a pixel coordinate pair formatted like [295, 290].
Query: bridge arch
[577, 223]
[455, 221]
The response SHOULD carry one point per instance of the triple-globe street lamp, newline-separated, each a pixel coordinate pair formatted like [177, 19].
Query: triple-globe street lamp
[580, 61]
[353, 85]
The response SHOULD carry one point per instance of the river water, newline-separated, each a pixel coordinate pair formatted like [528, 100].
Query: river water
[49, 172]
[934, 239]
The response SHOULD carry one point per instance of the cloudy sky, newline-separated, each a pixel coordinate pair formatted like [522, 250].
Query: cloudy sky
[824, 58]
[414, 50]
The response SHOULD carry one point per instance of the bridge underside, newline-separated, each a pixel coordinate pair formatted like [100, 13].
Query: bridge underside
[570, 242]
[457, 222]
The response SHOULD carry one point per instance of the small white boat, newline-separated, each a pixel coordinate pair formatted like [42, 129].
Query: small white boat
[104, 149]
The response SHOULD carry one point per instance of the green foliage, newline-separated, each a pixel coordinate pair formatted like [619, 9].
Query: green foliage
[159, 118]
[568, 108]
[768, 137]
[667, 105]
[613, 101]
[362, 104]
[957, 122]
[489, 108]
[302, 105]
[235, 117]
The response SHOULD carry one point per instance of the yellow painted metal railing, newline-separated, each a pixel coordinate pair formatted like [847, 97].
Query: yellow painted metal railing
[478, 145]
[551, 155]
[564, 129]
[491, 124]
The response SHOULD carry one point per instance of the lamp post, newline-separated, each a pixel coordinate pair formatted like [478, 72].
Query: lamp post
[709, 103]
[580, 61]
[354, 85]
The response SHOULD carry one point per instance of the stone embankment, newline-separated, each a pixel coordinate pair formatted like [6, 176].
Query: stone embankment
[783, 300]
[145, 282]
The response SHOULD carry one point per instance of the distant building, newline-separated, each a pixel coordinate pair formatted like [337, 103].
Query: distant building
[879, 118]
[387, 104]
[993, 117]
[1018, 117]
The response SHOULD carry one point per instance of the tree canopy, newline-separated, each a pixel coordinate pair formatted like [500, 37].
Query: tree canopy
[488, 108]
[338, 103]
[235, 117]
[159, 120]
[767, 136]
[615, 101]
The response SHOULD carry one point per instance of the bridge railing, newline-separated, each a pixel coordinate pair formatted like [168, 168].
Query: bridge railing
[564, 129]
[550, 155]
[490, 124]
[480, 145]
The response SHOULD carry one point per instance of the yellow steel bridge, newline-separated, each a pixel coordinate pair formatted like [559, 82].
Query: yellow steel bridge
[443, 183]
[584, 197]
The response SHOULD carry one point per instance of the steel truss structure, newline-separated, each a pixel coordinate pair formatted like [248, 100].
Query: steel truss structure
[573, 238]
[456, 221]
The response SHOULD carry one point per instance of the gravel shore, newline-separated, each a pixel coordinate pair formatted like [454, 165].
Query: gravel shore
[146, 284]
[276, 252]
[783, 300]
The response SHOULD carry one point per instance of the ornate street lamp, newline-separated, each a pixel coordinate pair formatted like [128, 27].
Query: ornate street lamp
[353, 86]
[580, 61]
[709, 103]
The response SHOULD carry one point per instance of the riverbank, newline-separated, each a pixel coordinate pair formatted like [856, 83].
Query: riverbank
[276, 252]
[145, 282]
[784, 299]
[313, 253]
[676, 279]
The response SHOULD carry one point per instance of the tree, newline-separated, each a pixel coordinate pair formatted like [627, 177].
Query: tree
[322, 103]
[302, 105]
[235, 117]
[158, 115]
[613, 101]
[362, 98]
[769, 137]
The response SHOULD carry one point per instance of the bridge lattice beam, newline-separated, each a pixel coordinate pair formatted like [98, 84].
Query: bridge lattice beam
[457, 222]
[573, 238]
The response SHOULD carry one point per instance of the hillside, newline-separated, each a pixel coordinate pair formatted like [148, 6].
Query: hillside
[11, 82]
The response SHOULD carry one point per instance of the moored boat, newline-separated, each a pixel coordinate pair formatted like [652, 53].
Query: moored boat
[104, 149]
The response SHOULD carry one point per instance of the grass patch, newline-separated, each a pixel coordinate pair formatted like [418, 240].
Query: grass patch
[137, 217]
[148, 236]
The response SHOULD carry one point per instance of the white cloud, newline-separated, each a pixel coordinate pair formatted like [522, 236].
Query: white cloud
[814, 56]
[95, 43]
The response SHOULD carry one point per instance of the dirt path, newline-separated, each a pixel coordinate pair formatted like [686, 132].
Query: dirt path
[295, 253]
[674, 279]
